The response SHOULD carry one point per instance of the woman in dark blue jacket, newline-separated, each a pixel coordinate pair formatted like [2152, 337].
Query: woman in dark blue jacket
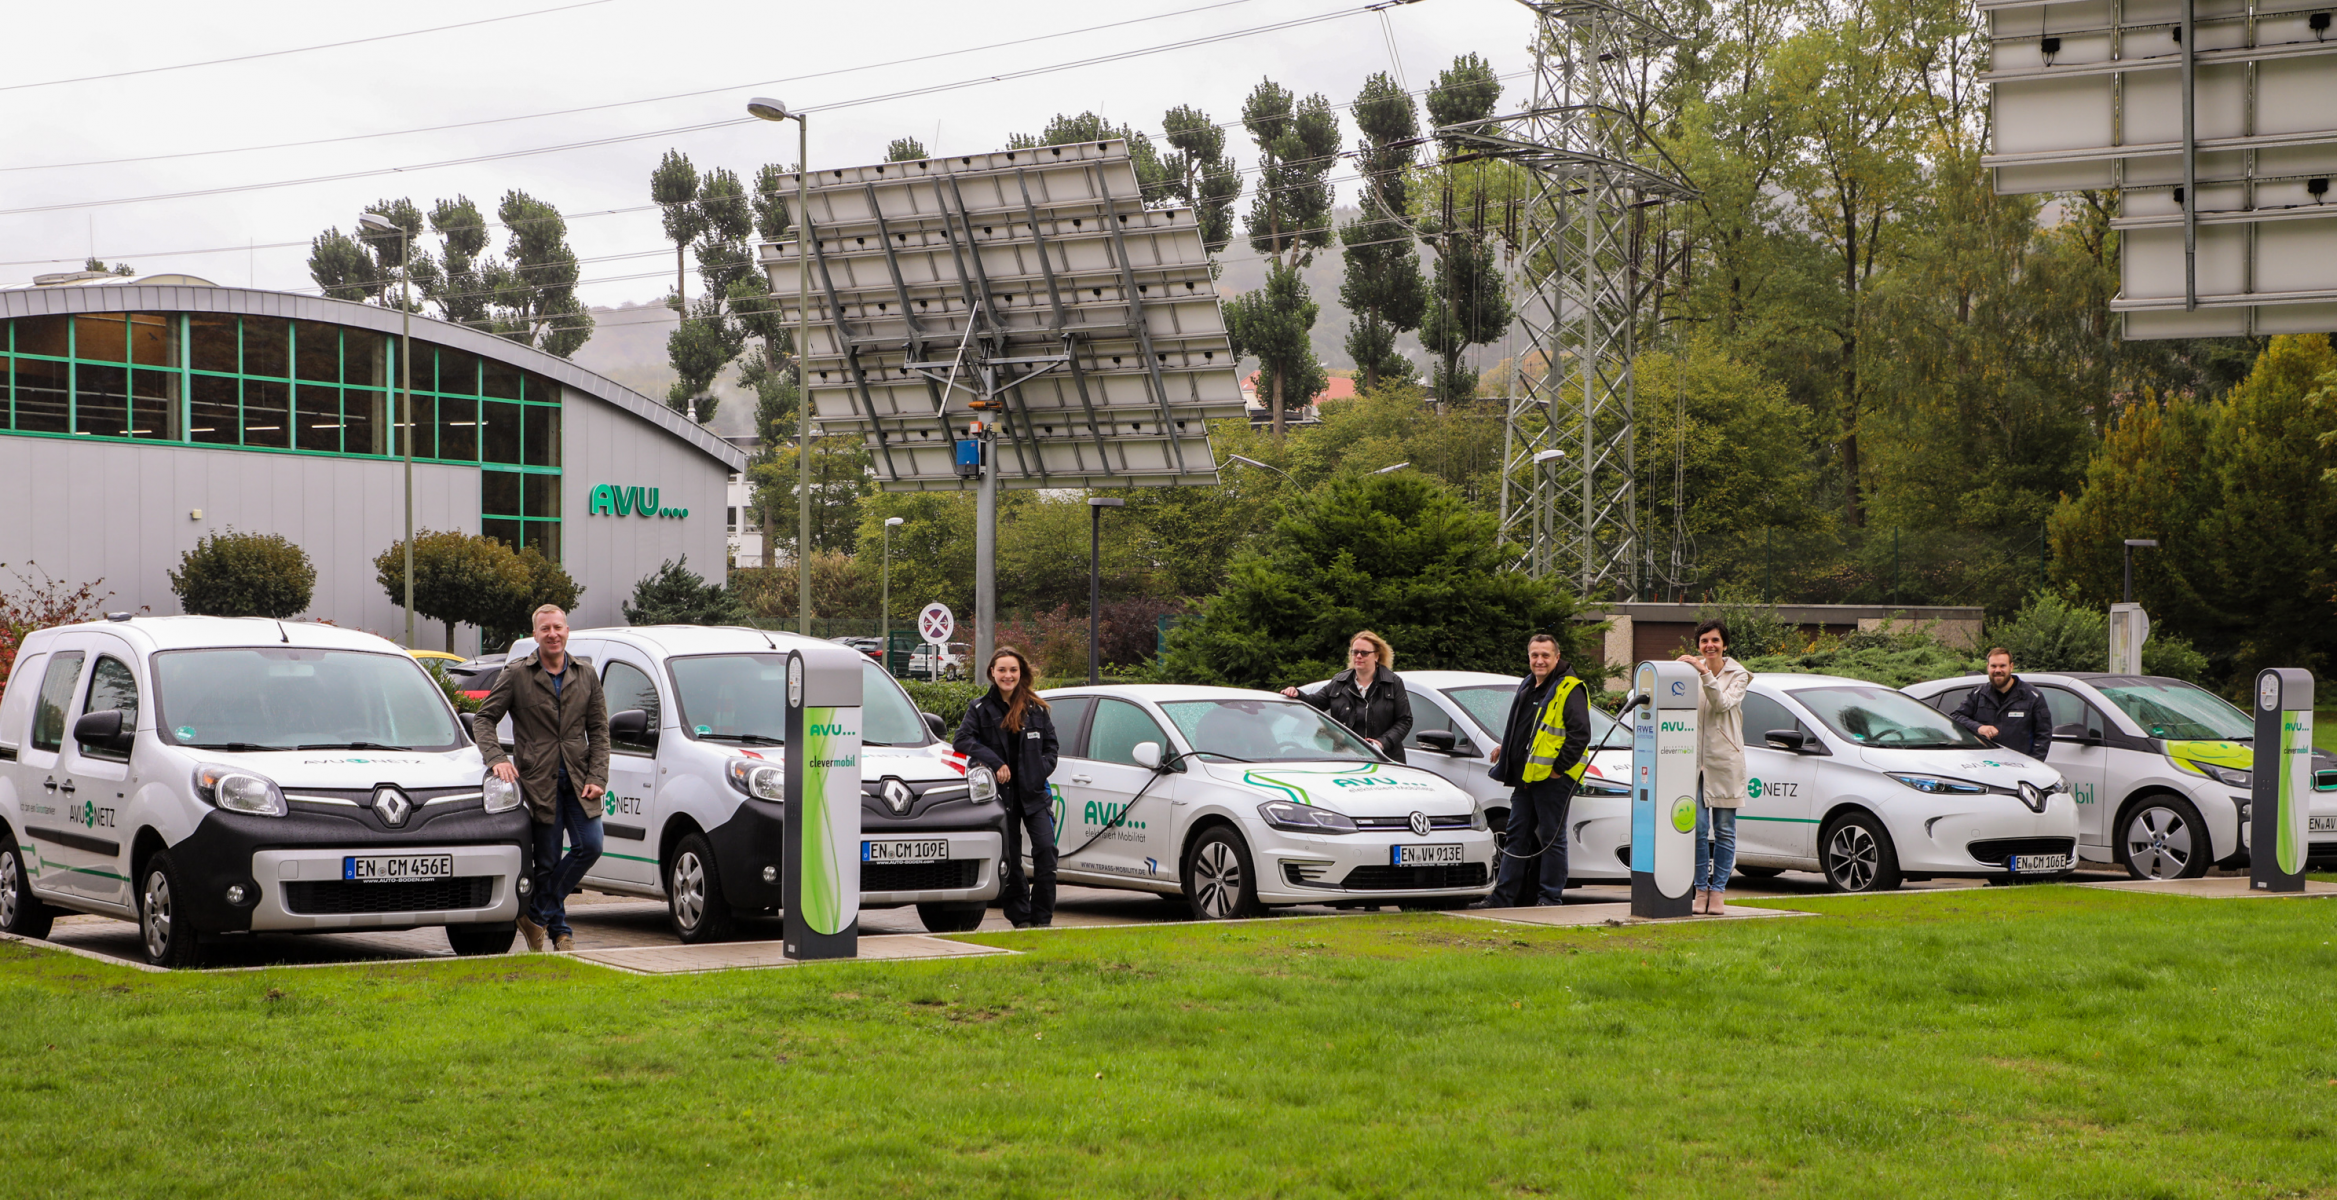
[1010, 731]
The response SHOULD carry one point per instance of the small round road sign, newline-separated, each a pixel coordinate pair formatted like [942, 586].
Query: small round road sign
[936, 623]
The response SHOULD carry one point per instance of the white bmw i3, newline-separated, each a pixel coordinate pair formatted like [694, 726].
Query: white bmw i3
[1239, 800]
[1871, 786]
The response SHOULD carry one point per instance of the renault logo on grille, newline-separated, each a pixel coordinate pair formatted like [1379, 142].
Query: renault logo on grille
[897, 796]
[392, 804]
[1420, 823]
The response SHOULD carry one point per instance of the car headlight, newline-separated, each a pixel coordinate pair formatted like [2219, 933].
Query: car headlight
[1939, 785]
[2223, 775]
[1304, 818]
[235, 789]
[981, 784]
[500, 794]
[1477, 815]
[759, 778]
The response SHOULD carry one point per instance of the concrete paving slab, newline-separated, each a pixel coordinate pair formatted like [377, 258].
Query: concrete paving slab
[1602, 914]
[728, 956]
[2213, 887]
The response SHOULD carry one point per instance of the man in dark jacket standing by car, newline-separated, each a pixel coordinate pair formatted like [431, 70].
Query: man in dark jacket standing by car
[560, 730]
[1543, 750]
[2007, 710]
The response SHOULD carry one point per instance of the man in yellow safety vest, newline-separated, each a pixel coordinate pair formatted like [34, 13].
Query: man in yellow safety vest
[1541, 757]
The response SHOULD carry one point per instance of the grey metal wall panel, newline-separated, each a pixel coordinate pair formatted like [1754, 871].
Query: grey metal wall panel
[610, 553]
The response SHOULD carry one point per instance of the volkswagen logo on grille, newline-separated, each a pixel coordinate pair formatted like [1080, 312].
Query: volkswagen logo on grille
[392, 804]
[1420, 823]
[897, 796]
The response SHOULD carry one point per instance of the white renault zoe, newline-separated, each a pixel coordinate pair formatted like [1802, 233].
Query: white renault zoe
[1238, 800]
[1871, 786]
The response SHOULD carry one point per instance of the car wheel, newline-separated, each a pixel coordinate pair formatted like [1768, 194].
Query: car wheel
[472, 940]
[693, 893]
[951, 918]
[1857, 854]
[20, 913]
[165, 933]
[1219, 879]
[2161, 837]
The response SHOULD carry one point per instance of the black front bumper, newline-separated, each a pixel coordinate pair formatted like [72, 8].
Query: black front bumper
[755, 837]
[219, 853]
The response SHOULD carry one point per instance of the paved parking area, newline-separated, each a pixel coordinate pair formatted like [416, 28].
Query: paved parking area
[624, 924]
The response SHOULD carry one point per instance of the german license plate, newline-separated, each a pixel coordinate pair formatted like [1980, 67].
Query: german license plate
[1424, 856]
[2321, 824]
[2023, 864]
[407, 868]
[904, 852]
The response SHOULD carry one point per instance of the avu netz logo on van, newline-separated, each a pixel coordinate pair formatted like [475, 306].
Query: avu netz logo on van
[618, 500]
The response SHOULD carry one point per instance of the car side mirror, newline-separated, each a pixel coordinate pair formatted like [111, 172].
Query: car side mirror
[631, 725]
[1786, 739]
[103, 729]
[934, 722]
[1442, 741]
[1147, 755]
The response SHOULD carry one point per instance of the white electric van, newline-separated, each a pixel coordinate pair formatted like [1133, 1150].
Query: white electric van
[693, 814]
[208, 776]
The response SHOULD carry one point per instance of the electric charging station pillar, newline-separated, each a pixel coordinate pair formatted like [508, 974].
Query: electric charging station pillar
[1663, 790]
[820, 890]
[2281, 787]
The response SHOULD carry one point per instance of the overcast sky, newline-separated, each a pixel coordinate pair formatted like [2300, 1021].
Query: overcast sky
[564, 54]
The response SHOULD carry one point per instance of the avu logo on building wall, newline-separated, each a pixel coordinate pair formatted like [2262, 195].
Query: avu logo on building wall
[609, 499]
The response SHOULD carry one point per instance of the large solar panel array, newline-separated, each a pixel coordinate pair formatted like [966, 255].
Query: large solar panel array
[2089, 94]
[1034, 276]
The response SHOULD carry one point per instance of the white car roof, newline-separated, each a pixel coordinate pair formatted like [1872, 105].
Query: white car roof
[195, 633]
[1789, 679]
[1448, 679]
[1930, 686]
[676, 640]
[1160, 693]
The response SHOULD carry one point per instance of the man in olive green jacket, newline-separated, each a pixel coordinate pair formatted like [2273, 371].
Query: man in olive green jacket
[560, 729]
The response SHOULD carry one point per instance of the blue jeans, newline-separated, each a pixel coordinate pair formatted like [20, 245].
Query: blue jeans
[1716, 847]
[1537, 821]
[557, 877]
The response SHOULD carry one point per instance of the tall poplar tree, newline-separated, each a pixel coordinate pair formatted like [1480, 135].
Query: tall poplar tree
[1289, 219]
[1383, 287]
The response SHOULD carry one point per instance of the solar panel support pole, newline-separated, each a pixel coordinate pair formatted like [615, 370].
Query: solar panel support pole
[2190, 173]
[986, 549]
[802, 376]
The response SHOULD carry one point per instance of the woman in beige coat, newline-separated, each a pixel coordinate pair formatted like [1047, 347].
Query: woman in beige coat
[1720, 762]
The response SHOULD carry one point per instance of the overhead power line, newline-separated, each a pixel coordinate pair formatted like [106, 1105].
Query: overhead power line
[905, 93]
[565, 112]
[380, 37]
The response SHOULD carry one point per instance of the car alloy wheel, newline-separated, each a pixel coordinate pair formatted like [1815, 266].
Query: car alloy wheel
[154, 915]
[2159, 842]
[20, 912]
[1217, 875]
[689, 890]
[11, 890]
[1851, 858]
[693, 889]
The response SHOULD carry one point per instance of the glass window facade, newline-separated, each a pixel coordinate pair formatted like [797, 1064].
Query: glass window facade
[307, 387]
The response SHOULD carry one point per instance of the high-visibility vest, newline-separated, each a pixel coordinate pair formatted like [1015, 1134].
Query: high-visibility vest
[1550, 738]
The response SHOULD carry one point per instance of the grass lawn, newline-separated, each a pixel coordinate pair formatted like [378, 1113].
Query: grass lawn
[2041, 1041]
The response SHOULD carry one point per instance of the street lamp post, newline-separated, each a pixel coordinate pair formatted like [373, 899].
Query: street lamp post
[1251, 462]
[382, 224]
[2133, 544]
[1390, 469]
[1095, 579]
[1545, 504]
[774, 110]
[884, 601]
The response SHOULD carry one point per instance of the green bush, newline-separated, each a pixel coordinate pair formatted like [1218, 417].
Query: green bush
[1754, 629]
[948, 699]
[2051, 634]
[1889, 666]
[244, 575]
[676, 595]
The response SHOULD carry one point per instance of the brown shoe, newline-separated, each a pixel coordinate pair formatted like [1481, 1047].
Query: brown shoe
[534, 934]
[564, 943]
[1719, 904]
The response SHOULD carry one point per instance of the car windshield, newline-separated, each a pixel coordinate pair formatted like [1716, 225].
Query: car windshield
[1488, 706]
[742, 698]
[297, 698]
[1878, 716]
[2179, 712]
[1265, 731]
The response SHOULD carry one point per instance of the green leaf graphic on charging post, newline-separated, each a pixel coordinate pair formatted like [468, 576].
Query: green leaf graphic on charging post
[820, 892]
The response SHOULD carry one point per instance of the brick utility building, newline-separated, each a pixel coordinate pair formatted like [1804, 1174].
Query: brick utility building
[138, 416]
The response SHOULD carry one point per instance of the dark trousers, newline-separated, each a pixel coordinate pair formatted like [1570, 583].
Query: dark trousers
[1537, 821]
[557, 876]
[1029, 900]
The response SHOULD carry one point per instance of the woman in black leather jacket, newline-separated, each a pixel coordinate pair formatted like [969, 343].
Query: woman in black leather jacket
[1367, 697]
[1010, 731]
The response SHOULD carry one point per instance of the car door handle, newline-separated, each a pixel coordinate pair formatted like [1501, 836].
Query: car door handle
[1081, 779]
[66, 787]
[49, 784]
